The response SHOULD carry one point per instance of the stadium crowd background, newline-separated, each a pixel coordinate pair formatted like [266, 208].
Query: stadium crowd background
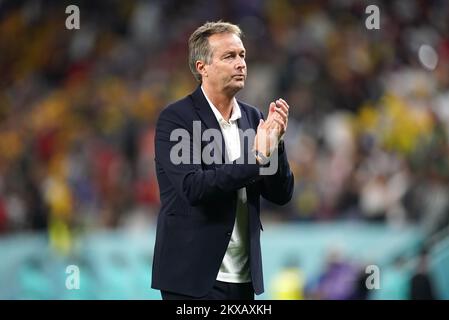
[369, 123]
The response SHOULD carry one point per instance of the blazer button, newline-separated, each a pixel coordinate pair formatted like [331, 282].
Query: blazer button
[229, 233]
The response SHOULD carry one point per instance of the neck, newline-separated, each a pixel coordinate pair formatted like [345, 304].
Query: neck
[221, 100]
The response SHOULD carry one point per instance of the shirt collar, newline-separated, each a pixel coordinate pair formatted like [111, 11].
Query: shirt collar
[235, 114]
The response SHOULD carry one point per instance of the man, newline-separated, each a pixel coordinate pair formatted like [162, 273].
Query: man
[208, 230]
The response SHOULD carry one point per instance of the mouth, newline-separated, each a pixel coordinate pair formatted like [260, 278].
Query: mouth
[239, 76]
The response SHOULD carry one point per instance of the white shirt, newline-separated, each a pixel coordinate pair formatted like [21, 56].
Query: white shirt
[235, 265]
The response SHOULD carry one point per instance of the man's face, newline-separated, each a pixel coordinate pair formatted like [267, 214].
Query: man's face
[227, 69]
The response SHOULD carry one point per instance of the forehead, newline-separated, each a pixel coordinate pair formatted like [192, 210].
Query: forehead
[222, 42]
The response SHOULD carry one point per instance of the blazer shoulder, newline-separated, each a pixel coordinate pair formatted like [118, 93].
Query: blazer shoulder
[179, 110]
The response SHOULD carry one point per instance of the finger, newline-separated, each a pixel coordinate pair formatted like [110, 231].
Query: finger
[267, 124]
[271, 111]
[282, 114]
[281, 123]
[281, 126]
[280, 118]
[256, 140]
[272, 123]
[282, 105]
[284, 102]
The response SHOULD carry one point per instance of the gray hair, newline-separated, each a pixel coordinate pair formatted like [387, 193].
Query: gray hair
[199, 48]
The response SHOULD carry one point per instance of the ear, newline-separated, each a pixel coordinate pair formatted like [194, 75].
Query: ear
[201, 68]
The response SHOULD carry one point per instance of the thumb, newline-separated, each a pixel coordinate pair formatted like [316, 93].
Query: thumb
[272, 107]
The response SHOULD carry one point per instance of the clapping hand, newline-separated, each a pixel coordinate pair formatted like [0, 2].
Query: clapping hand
[270, 132]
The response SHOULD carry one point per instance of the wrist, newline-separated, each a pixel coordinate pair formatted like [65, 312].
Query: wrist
[261, 158]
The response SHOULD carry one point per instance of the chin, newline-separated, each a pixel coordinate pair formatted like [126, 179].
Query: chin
[235, 87]
[240, 85]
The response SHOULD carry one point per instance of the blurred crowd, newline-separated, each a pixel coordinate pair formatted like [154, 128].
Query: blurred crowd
[343, 278]
[369, 119]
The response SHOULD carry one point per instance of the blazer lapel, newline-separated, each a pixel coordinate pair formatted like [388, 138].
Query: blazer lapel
[244, 124]
[208, 118]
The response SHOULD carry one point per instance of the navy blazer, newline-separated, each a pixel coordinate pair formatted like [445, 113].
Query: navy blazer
[198, 201]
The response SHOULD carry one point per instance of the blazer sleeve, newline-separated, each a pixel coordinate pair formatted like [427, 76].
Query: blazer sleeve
[195, 184]
[278, 188]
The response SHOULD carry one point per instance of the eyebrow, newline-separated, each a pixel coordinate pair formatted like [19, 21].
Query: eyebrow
[233, 51]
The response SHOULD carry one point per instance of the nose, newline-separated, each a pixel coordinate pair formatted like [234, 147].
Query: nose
[240, 64]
